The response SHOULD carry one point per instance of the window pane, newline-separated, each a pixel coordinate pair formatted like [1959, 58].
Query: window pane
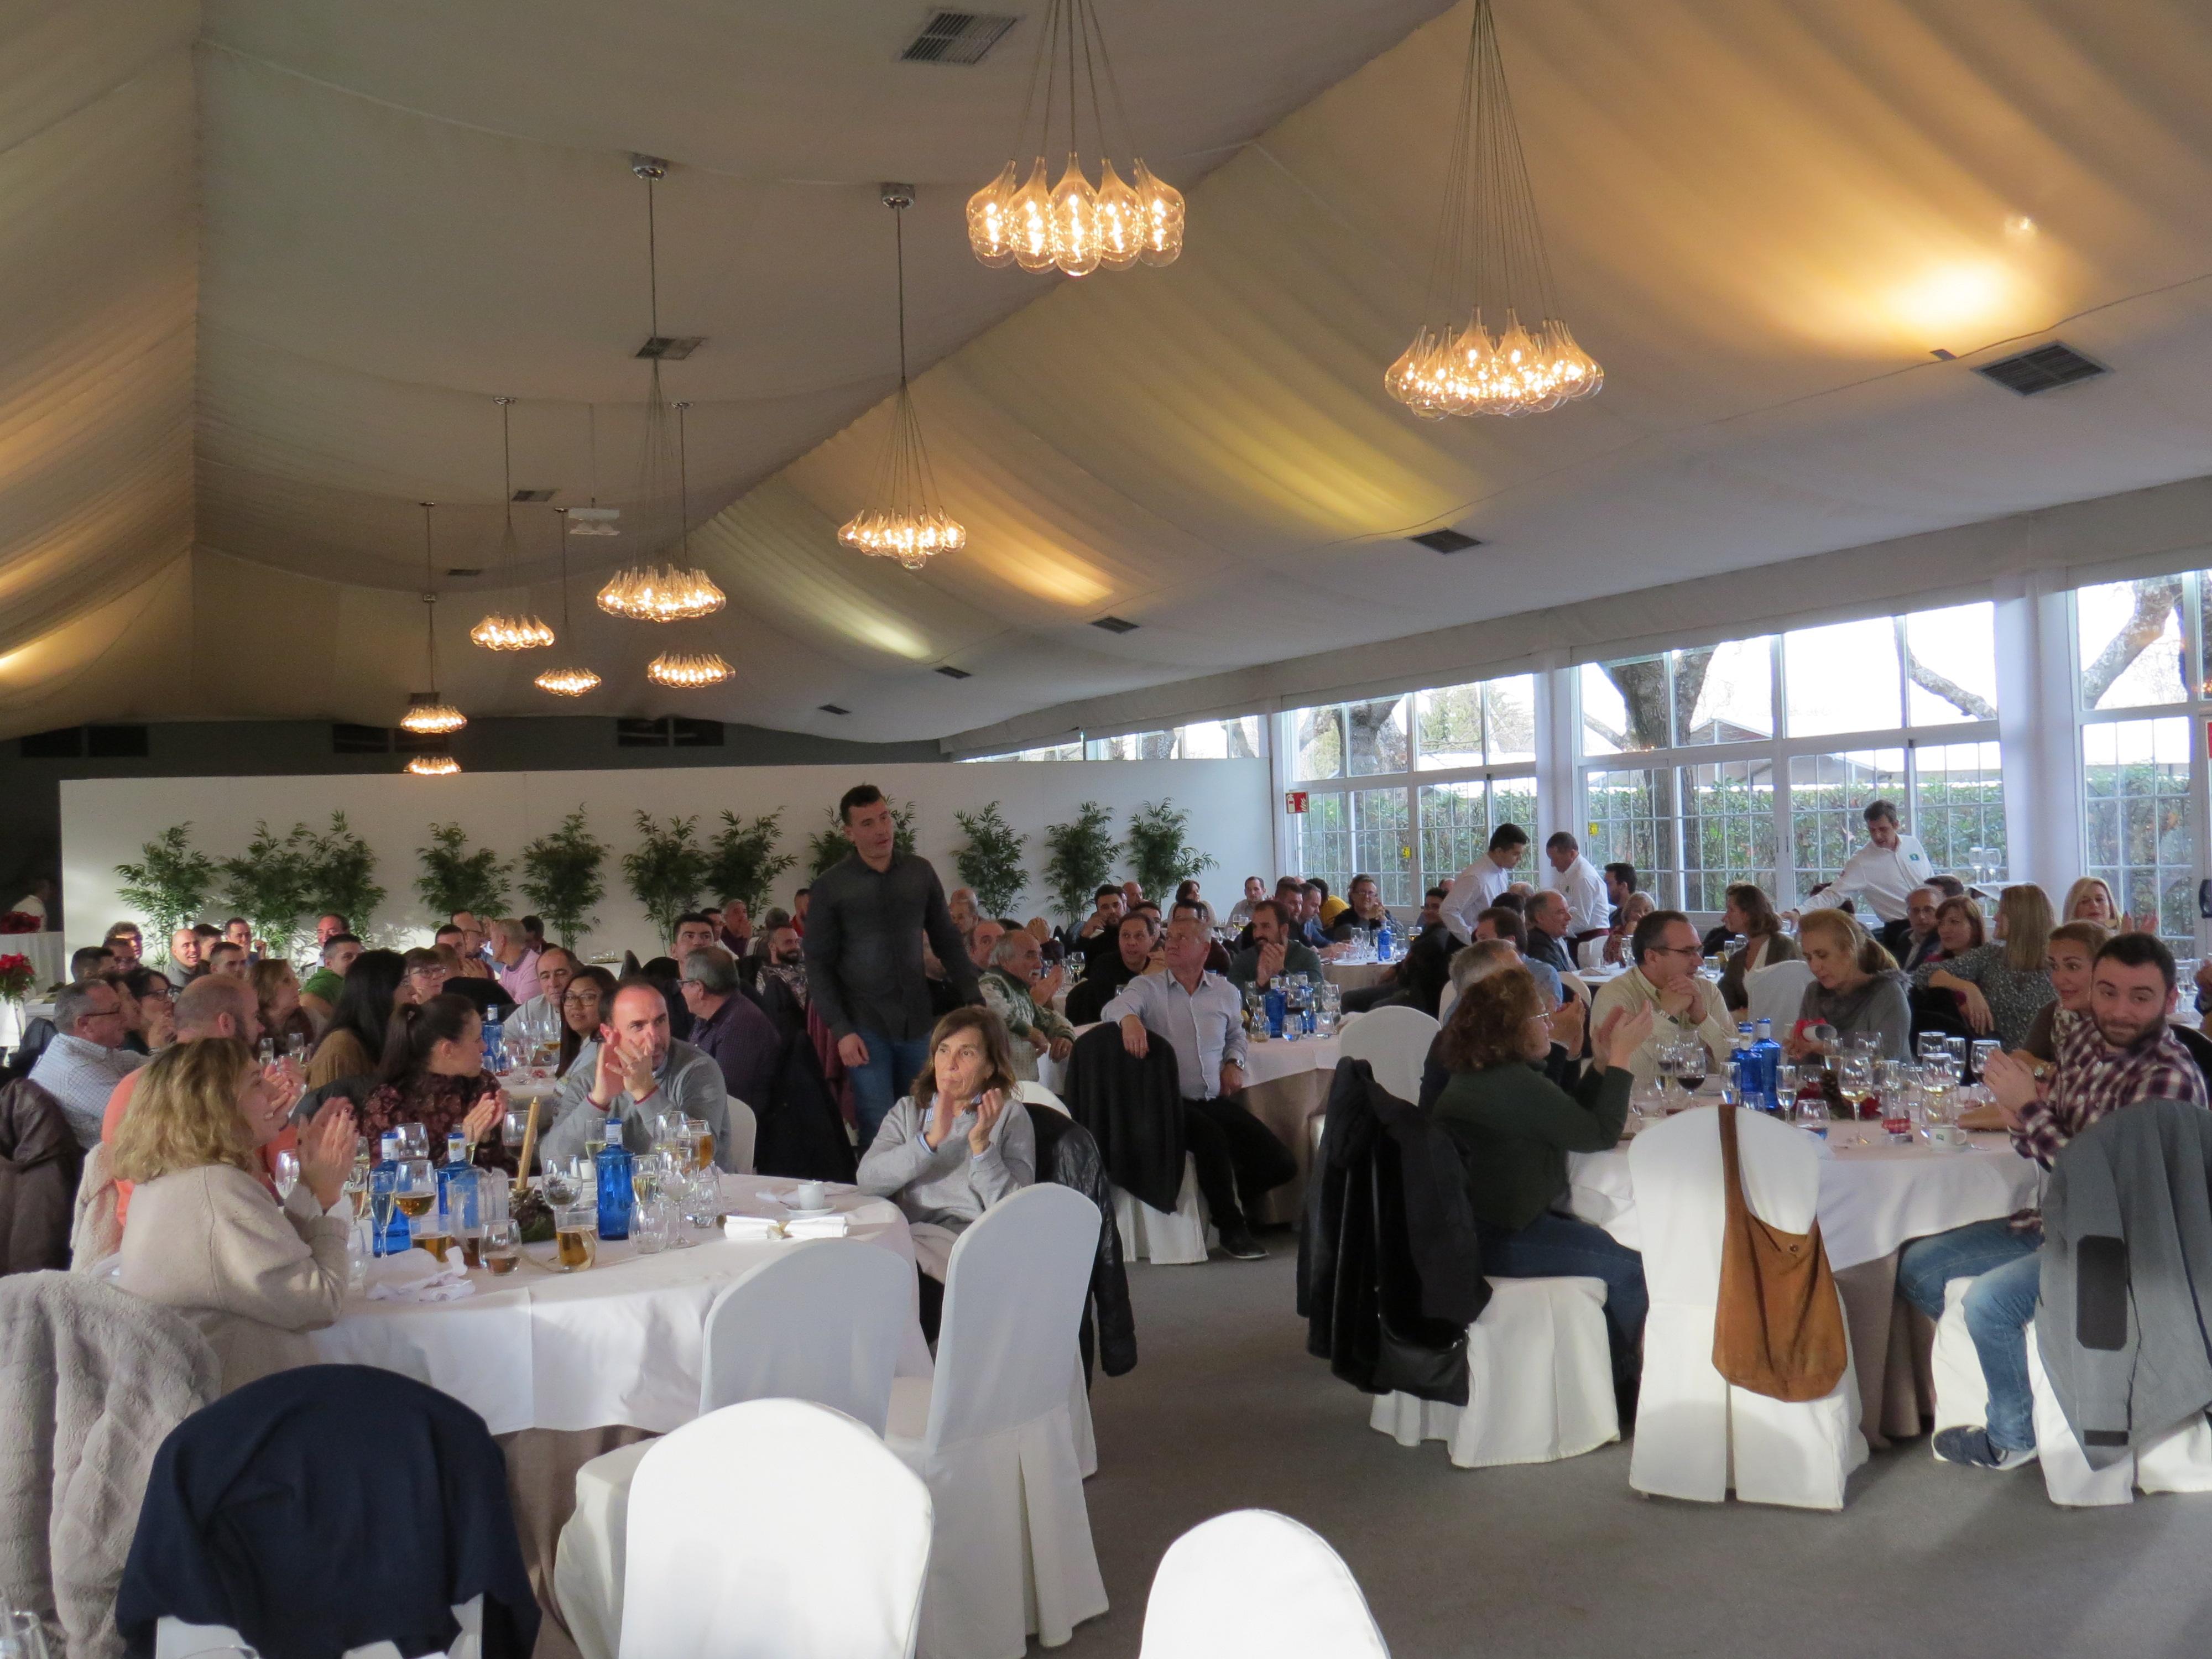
[1728, 830]
[2131, 643]
[1230, 739]
[1364, 831]
[1960, 814]
[1828, 797]
[1449, 722]
[1725, 693]
[1321, 838]
[1509, 721]
[1632, 821]
[2136, 820]
[1951, 666]
[1131, 745]
[1319, 743]
[1843, 678]
[1375, 736]
[1624, 706]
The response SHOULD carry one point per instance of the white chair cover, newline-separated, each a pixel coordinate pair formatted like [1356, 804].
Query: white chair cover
[1449, 997]
[776, 1529]
[1166, 1240]
[1538, 1381]
[2178, 1461]
[1079, 1399]
[1696, 1436]
[1036, 1094]
[1395, 1042]
[175, 1640]
[744, 1134]
[1254, 1582]
[990, 1434]
[822, 1320]
[1776, 992]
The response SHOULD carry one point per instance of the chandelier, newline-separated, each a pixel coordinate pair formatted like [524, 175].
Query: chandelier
[688, 670]
[1071, 225]
[433, 766]
[1490, 266]
[566, 682]
[907, 524]
[651, 592]
[504, 630]
[428, 712]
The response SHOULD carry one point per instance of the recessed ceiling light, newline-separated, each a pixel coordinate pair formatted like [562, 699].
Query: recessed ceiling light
[1116, 624]
[671, 347]
[465, 570]
[832, 709]
[534, 494]
[952, 673]
[1446, 541]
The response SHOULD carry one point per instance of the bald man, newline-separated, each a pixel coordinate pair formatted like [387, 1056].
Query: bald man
[634, 1070]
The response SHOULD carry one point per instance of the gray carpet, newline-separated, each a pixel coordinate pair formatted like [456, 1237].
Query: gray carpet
[1226, 1410]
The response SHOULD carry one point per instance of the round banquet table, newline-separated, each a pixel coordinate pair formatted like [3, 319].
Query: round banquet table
[1874, 1197]
[1355, 975]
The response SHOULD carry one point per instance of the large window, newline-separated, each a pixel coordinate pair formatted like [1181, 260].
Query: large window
[1237, 738]
[1355, 832]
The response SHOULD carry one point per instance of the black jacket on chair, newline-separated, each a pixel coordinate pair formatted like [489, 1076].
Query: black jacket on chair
[1389, 1266]
[326, 1508]
[1134, 1110]
[39, 1165]
[1066, 1154]
[801, 1132]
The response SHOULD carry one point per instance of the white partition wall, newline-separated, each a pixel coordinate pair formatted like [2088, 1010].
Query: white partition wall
[105, 821]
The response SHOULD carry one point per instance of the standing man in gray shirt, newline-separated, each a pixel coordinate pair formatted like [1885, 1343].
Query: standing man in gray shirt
[1201, 1016]
[866, 922]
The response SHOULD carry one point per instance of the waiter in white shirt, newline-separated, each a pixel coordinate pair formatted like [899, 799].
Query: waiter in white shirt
[1886, 871]
[1576, 880]
[1476, 888]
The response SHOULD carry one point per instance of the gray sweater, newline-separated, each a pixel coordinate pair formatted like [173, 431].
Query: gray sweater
[947, 1185]
[1878, 1005]
[689, 1083]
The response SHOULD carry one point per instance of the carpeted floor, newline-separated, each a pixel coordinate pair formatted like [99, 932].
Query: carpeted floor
[1226, 1410]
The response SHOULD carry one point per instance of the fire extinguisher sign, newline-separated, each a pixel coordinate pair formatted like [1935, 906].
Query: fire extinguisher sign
[1294, 800]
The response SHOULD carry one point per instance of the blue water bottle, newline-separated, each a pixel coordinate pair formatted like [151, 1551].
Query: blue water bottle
[1382, 941]
[457, 1203]
[1767, 1054]
[383, 1179]
[494, 1046]
[1276, 1006]
[1742, 1071]
[615, 1193]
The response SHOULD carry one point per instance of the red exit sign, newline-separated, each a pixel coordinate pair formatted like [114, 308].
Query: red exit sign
[1294, 800]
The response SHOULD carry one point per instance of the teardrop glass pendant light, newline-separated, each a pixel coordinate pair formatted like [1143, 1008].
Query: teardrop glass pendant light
[504, 630]
[1073, 227]
[566, 682]
[427, 714]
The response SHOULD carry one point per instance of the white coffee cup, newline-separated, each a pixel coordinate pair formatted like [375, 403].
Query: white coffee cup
[1948, 1136]
[810, 1195]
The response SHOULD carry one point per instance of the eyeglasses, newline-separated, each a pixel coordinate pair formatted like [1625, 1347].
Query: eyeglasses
[1672, 951]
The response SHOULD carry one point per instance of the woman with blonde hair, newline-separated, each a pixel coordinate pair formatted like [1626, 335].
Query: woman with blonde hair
[207, 1234]
[1857, 986]
[2000, 985]
[2090, 899]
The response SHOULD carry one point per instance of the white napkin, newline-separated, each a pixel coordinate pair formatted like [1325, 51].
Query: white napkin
[750, 1229]
[401, 1280]
[820, 1226]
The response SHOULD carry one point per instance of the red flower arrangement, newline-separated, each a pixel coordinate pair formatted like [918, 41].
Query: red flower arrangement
[17, 976]
[21, 921]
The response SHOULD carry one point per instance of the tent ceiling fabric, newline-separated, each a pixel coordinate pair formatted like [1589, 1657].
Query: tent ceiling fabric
[270, 262]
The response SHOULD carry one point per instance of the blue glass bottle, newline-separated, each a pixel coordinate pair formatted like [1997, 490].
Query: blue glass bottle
[383, 1180]
[457, 1202]
[1741, 1071]
[1276, 1006]
[1766, 1055]
[495, 1046]
[1383, 941]
[616, 1196]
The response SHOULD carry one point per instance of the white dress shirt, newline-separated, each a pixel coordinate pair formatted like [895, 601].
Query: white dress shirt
[1887, 875]
[82, 1074]
[1582, 883]
[1473, 890]
[1205, 1027]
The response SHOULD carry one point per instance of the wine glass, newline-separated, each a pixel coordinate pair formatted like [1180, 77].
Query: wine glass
[285, 1173]
[502, 1245]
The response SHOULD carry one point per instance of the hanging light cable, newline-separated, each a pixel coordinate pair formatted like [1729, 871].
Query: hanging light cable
[686, 671]
[566, 682]
[504, 631]
[593, 521]
[651, 592]
[429, 713]
[905, 523]
[1490, 267]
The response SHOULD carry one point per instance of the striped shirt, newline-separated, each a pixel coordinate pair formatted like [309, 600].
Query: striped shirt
[2092, 1079]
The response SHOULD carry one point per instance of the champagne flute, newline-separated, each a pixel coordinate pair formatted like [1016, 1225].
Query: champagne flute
[286, 1174]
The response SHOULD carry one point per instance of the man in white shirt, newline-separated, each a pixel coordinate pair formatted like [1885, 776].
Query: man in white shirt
[539, 1017]
[1885, 870]
[1476, 888]
[1576, 880]
[86, 1058]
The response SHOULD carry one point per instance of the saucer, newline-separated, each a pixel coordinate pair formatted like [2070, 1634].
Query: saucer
[812, 1215]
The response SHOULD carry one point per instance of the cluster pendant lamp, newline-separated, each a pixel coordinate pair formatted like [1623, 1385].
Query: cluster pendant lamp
[566, 682]
[428, 714]
[1072, 226]
[1491, 340]
[501, 630]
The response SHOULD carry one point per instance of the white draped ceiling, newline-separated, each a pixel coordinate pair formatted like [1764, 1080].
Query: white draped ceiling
[267, 264]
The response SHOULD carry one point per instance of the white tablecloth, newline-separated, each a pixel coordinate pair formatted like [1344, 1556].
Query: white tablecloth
[1874, 1196]
[619, 1345]
[15, 1017]
[1265, 1062]
[1355, 975]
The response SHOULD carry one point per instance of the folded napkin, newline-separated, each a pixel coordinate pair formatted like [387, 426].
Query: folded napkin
[395, 1279]
[820, 1226]
[750, 1229]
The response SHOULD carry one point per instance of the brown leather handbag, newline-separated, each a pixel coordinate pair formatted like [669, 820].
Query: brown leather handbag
[1779, 1329]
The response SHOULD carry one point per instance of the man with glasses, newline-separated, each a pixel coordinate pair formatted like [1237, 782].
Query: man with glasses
[86, 1059]
[1683, 1007]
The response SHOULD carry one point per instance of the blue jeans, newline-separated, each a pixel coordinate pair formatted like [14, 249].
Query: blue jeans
[893, 1064]
[2006, 1275]
[1560, 1247]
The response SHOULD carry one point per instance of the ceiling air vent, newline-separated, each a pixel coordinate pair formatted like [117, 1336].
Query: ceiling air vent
[465, 570]
[1446, 541]
[533, 496]
[671, 347]
[832, 709]
[1116, 624]
[952, 673]
[962, 37]
[669, 732]
[2043, 369]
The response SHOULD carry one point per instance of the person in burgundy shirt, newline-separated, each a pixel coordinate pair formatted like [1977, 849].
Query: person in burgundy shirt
[729, 1027]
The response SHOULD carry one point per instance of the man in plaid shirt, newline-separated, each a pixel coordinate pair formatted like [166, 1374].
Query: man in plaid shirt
[2125, 1052]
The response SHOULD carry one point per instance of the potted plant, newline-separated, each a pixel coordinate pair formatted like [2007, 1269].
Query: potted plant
[1081, 854]
[270, 884]
[991, 862]
[341, 876]
[170, 883]
[561, 877]
[1160, 858]
[454, 878]
[742, 860]
[666, 869]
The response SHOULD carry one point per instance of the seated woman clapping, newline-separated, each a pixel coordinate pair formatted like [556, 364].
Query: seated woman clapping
[959, 1142]
[433, 1074]
[208, 1235]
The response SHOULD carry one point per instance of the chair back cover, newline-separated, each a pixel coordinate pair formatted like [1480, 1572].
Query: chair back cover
[1448, 998]
[1013, 1299]
[1394, 1043]
[821, 1319]
[1680, 1194]
[775, 1529]
[1252, 1581]
[744, 1126]
[1036, 1094]
[1776, 992]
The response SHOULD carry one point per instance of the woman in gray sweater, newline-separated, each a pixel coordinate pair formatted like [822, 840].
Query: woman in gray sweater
[1857, 986]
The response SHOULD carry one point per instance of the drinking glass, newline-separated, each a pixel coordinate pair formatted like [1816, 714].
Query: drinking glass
[383, 1204]
[22, 1636]
[648, 1227]
[295, 1045]
[286, 1174]
[702, 1145]
[704, 1199]
[1955, 1051]
[414, 1140]
[1670, 1068]
[575, 1238]
[1979, 1054]
[502, 1245]
[1692, 1065]
[356, 1186]
[1813, 1115]
[513, 1127]
[1930, 1045]
[1785, 1085]
[416, 1191]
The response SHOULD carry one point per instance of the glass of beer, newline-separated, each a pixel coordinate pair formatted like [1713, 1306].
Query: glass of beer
[502, 1245]
[576, 1239]
[703, 1152]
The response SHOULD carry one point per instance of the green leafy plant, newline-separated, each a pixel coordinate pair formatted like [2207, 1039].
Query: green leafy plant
[169, 886]
[826, 845]
[271, 884]
[666, 869]
[560, 877]
[1159, 857]
[341, 875]
[742, 860]
[1080, 856]
[454, 878]
[991, 862]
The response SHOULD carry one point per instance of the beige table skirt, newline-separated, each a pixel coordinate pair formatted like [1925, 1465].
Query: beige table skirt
[1288, 1105]
[1890, 1342]
[541, 1485]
